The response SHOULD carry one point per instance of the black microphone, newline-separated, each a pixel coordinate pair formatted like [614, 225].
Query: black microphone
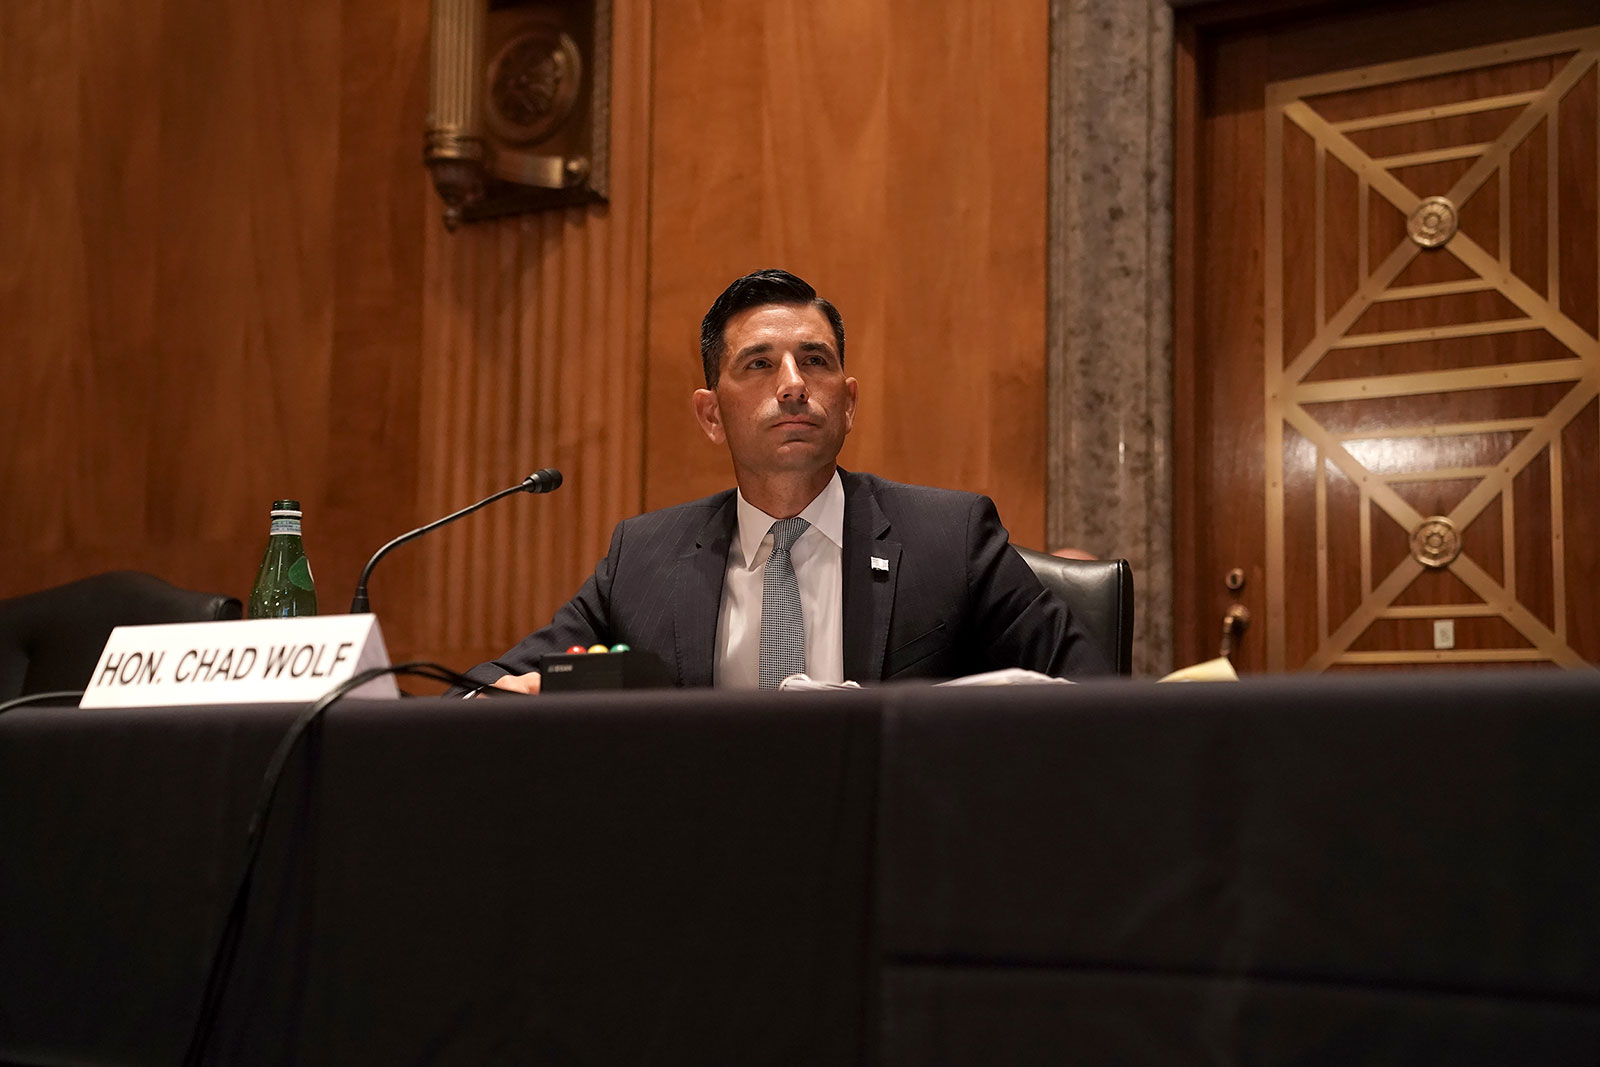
[547, 480]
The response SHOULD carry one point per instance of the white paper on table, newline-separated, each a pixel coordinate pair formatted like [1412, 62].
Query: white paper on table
[1008, 676]
[804, 683]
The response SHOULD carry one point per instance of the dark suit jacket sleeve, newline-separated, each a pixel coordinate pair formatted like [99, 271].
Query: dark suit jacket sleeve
[584, 620]
[1015, 621]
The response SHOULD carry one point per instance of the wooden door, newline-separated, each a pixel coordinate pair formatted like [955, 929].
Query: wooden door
[1389, 348]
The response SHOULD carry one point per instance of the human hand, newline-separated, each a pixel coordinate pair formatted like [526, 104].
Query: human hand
[518, 683]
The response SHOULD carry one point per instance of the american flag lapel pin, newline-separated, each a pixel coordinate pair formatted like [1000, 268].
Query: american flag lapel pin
[880, 564]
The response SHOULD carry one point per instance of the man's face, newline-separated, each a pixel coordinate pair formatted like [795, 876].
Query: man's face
[782, 402]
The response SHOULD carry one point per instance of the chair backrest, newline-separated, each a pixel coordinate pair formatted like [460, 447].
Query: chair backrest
[51, 640]
[1100, 594]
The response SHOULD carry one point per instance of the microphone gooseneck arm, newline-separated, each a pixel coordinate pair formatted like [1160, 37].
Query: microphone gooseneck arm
[540, 481]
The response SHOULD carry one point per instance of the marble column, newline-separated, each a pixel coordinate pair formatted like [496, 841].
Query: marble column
[1109, 348]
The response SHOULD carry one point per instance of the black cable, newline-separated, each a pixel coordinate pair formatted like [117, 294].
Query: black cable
[45, 698]
[222, 958]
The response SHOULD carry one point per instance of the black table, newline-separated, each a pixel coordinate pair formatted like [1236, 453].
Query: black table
[1379, 869]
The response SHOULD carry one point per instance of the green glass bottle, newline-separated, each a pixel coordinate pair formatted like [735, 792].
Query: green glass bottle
[284, 586]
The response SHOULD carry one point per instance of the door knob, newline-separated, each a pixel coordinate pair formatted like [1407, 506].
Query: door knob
[1234, 623]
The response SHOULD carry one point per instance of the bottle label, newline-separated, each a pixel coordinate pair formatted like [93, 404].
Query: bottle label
[285, 526]
[300, 573]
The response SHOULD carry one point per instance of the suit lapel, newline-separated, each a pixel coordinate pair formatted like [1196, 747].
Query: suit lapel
[868, 587]
[697, 595]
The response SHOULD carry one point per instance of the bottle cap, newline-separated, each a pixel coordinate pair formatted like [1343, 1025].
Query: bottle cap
[286, 509]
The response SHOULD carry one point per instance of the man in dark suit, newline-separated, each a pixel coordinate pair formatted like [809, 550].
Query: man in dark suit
[867, 580]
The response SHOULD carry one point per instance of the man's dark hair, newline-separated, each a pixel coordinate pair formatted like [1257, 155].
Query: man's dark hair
[771, 286]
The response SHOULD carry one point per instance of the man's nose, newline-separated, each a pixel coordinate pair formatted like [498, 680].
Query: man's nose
[791, 385]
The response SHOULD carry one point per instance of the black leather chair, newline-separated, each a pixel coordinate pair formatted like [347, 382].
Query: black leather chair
[51, 640]
[1100, 593]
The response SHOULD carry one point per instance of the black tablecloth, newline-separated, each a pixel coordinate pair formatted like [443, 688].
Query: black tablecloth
[1380, 869]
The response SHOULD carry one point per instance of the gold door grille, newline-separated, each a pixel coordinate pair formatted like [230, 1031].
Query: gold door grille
[1431, 354]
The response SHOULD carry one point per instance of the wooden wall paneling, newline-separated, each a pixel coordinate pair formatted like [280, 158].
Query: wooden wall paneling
[215, 257]
[1578, 260]
[533, 332]
[453, 424]
[102, 450]
[907, 184]
[1581, 548]
[1224, 439]
[382, 203]
[1474, 453]
[244, 274]
[1190, 604]
[211, 258]
[1218, 331]
[76, 328]
[966, 217]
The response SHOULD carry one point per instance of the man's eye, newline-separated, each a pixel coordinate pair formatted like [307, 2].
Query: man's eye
[757, 364]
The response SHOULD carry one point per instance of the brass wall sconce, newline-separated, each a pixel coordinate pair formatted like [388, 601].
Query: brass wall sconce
[518, 105]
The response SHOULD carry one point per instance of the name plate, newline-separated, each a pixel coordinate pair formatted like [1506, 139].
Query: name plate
[253, 661]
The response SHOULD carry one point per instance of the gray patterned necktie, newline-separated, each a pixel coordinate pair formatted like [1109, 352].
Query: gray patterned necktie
[783, 639]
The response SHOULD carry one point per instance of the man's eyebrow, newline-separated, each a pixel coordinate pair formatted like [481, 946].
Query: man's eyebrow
[753, 350]
[816, 346]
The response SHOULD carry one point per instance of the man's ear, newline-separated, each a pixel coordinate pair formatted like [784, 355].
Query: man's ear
[709, 415]
[850, 408]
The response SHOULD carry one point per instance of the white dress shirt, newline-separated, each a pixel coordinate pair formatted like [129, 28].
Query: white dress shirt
[817, 556]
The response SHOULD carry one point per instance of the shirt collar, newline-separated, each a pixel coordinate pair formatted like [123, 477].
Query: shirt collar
[825, 513]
